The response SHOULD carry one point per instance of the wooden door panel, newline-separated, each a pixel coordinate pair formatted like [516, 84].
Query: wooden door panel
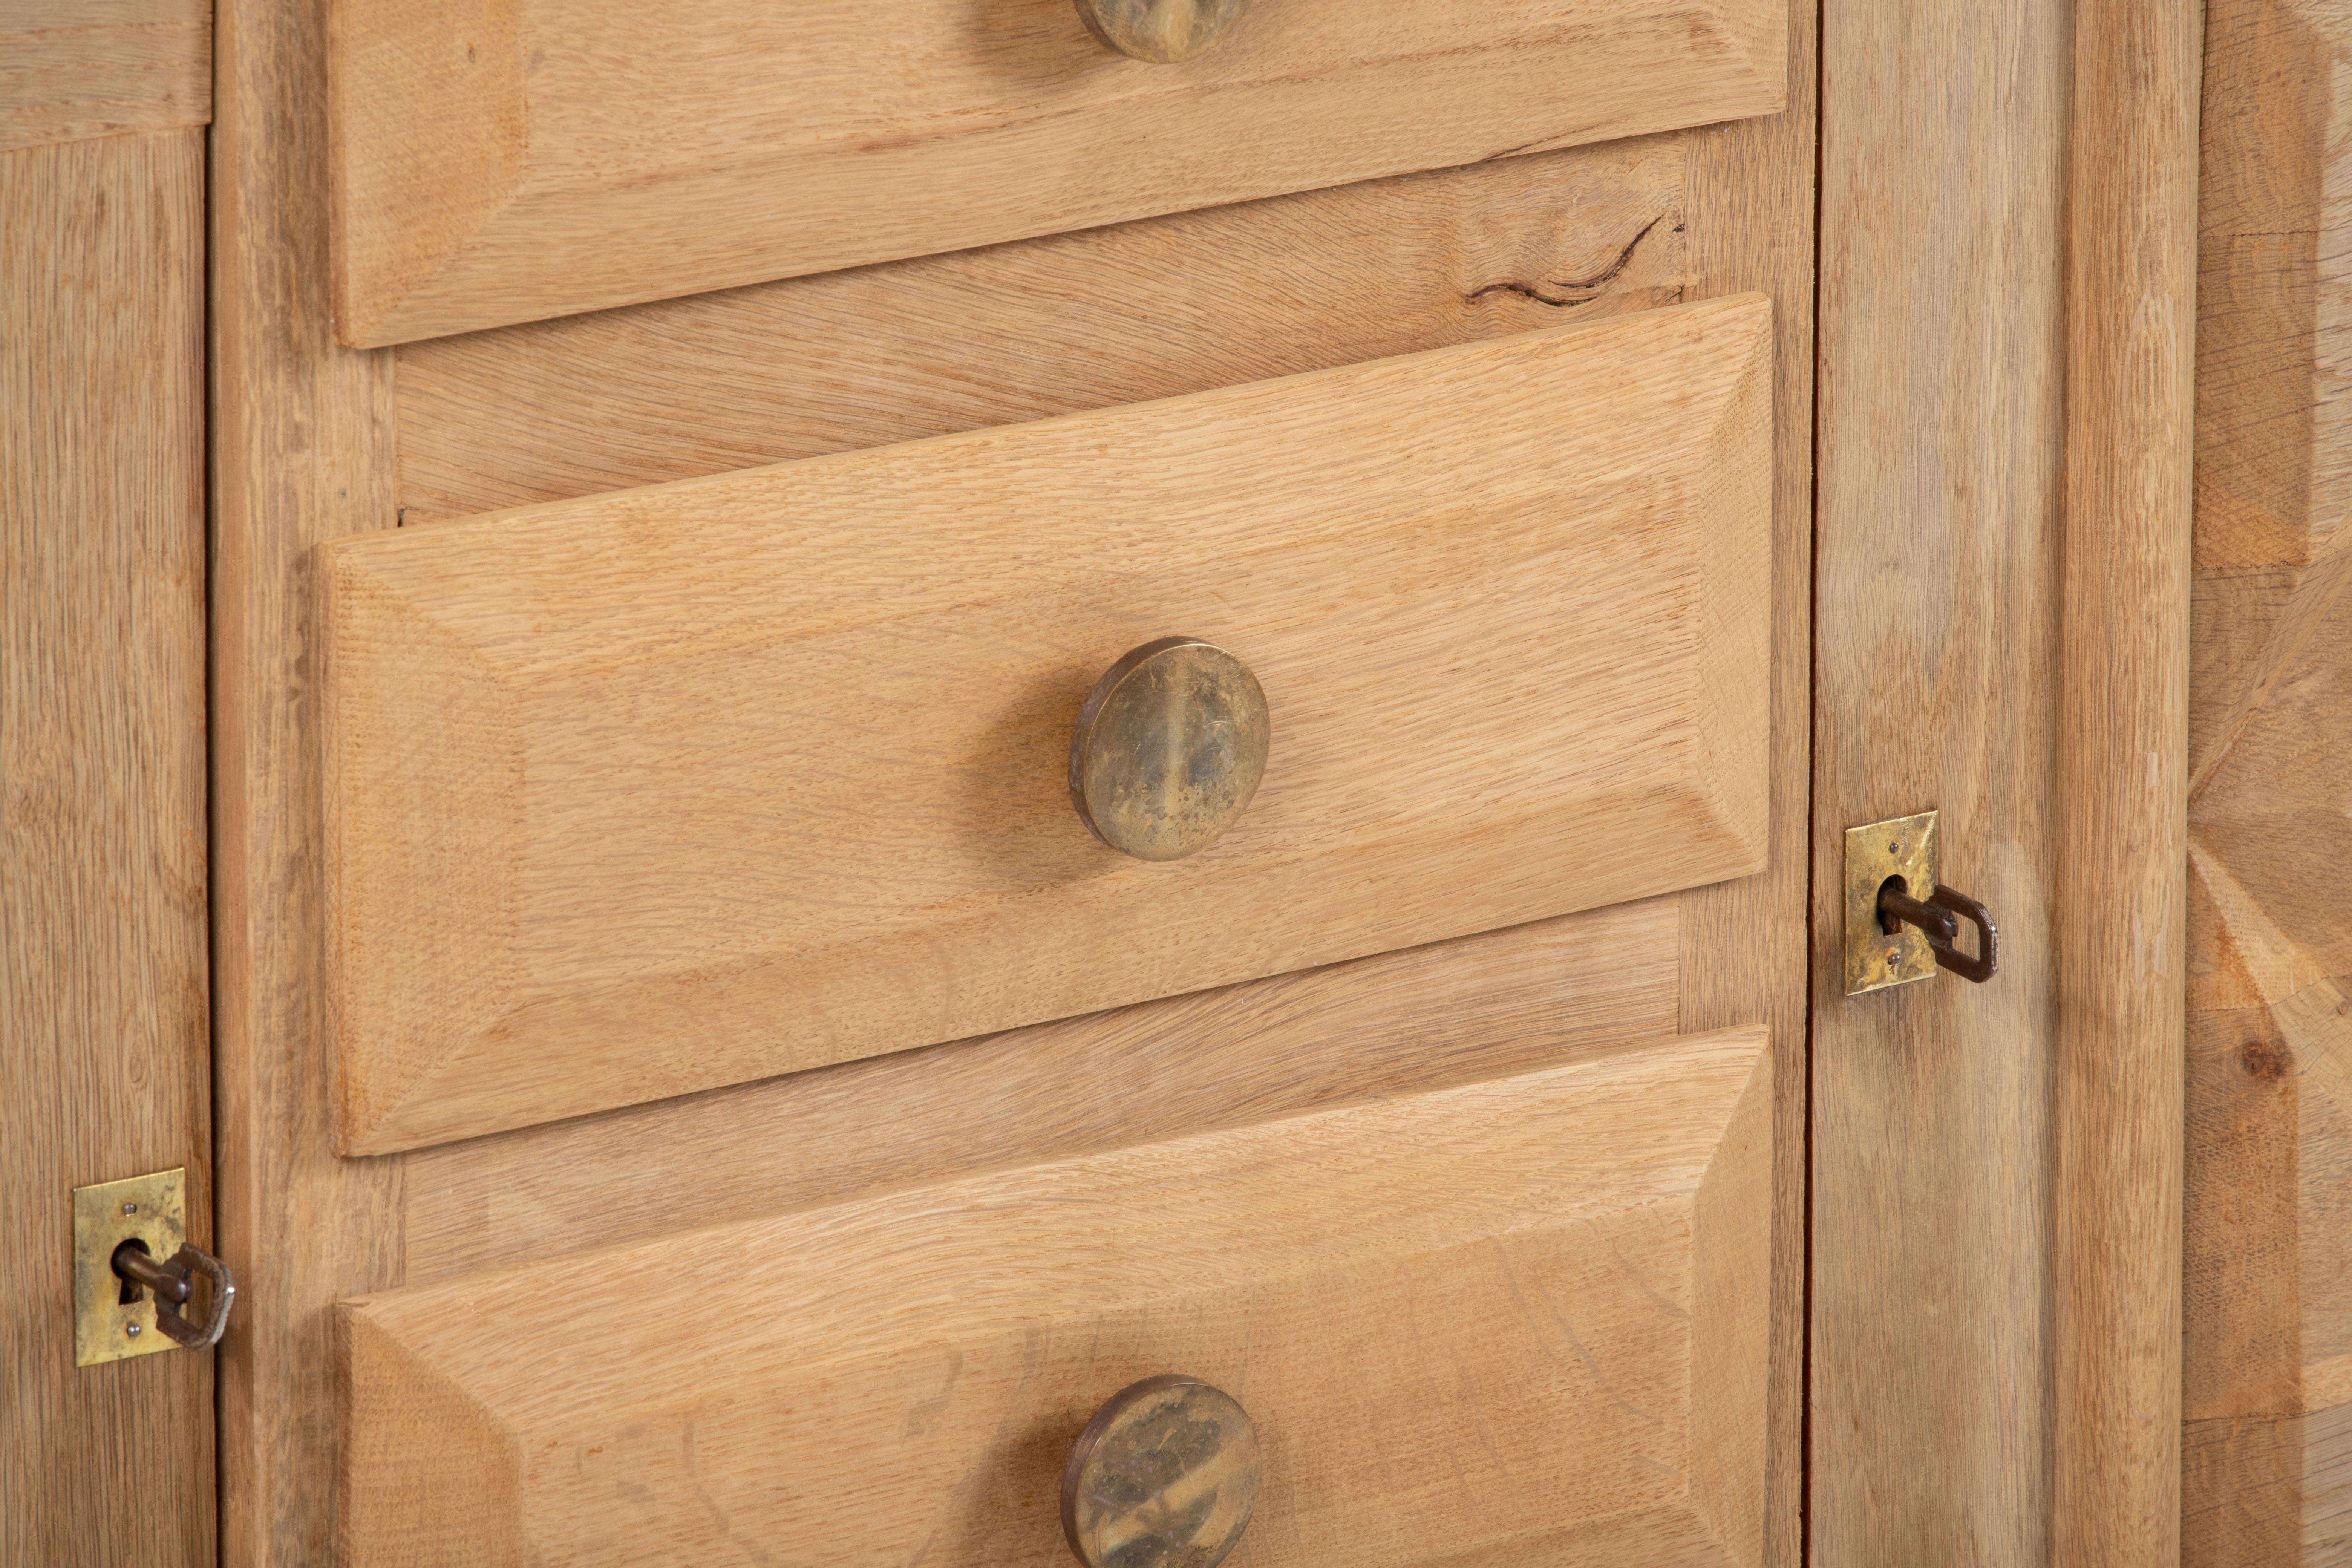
[2267, 1259]
[640, 794]
[511, 160]
[1522, 1315]
[103, 964]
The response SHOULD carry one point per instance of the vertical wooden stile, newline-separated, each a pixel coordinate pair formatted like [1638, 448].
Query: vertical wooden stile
[2123, 738]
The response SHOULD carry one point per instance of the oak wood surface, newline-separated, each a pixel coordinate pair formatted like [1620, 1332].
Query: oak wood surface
[497, 162]
[71, 70]
[639, 794]
[1754, 181]
[549, 410]
[300, 446]
[2267, 1268]
[103, 1049]
[310, 452]
[1535, 996]
[1942, 361]
[1565, 1271]
[669, 390]
[2118, 920]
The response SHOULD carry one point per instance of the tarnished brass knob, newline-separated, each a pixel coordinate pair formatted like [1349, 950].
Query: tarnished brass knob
[1160, 31]
[1169, 749]
[1163, 1477]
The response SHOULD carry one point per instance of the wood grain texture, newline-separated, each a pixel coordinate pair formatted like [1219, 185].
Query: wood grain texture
[301, 452]
[603, 775]
[671, 390]
[2119, 917]
[499, 161]
[1564, 1271]
[1516, 1000]
[2267, 1268]
[71, 70]
[2268, 1489]
[684, 387]
[103, 1044]
[312, 455]
[1942, 364]
[1754, 181]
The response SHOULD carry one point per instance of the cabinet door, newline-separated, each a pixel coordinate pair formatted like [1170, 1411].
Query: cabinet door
[645, 760]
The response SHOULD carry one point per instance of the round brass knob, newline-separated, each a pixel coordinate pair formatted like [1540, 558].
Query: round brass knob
[1160, 31]
[1169, 749]
[1163, 1477]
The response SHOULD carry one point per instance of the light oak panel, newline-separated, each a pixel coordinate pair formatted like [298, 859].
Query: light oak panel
[2267, 1273]
[501, 161]
[1524, 1316]
[1754, 182]
[1477, 1007]
[637, 795]
[103, 1039]
[2118, 920]
[684, 387]
[71, 70]
[1942, 366]
[302, 446]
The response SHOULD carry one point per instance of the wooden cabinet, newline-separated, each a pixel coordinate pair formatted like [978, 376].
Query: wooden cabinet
[691, 1088]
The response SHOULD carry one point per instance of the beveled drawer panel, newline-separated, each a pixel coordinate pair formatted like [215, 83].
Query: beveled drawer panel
[670, 788]
[1515, 1321]
[499, 161]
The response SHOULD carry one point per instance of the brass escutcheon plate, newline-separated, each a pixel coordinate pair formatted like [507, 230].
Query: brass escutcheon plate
[1161, 32]
[1165, 1475]
[1905, 846]
[1169, 749]
[152, 1209]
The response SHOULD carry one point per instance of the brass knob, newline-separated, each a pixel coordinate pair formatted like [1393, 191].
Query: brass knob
[1165, 1474]
[1160, 31]
[1169, 749]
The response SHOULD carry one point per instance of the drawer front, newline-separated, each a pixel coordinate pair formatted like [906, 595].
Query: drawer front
[1521, 1320]
[499, 161]
[677, 787]
[648, 792]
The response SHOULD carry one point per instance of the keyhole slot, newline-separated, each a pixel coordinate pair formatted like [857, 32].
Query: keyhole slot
[132, 1293]
[1888, 922]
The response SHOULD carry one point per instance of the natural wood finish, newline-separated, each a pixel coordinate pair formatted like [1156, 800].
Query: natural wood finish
[604, 862]
[1754, 182]
[103, 1043]
[698, 386]
[307, 451]
[1565, 1271]
[2004, 476]
[499, 163]
[1186, 304]
[301, 440]
[71, 70]
[2268, 1490]
[2267, 1268]
[1479, 1007]
[1942, 368]
[2118, 917]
